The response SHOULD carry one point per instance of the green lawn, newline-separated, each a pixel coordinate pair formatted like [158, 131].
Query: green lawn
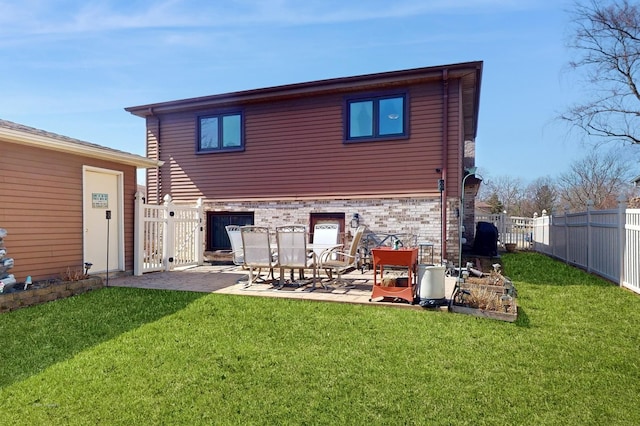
[131, 356]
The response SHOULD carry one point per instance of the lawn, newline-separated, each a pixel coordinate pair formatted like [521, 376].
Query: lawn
[132, 356]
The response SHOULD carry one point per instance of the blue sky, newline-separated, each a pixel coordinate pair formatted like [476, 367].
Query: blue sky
[71, 67]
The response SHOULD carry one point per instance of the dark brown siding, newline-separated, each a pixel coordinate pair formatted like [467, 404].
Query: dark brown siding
[295, 149]
[41, 209]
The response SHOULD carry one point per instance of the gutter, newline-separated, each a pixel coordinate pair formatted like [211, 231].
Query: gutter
[445, 149]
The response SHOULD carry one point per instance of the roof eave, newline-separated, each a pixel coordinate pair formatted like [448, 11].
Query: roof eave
[53, 144]
[318, 87]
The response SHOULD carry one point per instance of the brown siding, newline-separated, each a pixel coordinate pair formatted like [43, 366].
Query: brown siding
[153, 130]
[41, 208]
[295, 149]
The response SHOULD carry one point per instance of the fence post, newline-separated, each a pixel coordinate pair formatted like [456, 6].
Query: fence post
[622, 221]
[589, 238]
[138, 235]
[566, 234]
[199, 233]
[534, 236]
[168, 242]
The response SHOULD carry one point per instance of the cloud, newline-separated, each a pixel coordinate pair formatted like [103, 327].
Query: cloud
[42, 17]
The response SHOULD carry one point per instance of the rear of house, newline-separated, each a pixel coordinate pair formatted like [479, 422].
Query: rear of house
[54, 195]
[384, 150]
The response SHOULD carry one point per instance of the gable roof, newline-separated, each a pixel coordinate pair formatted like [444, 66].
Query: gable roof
[470, 74]
[30, 136]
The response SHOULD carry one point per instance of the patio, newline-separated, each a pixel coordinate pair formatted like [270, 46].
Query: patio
[231, 279]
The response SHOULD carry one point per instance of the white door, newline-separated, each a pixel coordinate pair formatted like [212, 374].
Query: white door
[103, 239]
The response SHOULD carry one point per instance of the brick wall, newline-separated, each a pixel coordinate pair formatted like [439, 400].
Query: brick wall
[419, 216]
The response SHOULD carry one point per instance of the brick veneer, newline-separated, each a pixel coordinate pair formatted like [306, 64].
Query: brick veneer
[420, 216]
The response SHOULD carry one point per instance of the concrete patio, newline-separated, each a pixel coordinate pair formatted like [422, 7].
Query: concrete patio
[231, 279]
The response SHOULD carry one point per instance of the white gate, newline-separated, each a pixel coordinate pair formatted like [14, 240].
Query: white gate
[167, 236]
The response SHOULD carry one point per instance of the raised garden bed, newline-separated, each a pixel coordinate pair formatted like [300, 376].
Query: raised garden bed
[492, 296]
[46, 291]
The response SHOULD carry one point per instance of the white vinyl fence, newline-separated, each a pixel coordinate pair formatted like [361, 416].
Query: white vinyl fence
[511, 229]
[605, 242]
[167, 236]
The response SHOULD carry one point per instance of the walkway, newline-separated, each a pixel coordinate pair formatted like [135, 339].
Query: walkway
[230, 279]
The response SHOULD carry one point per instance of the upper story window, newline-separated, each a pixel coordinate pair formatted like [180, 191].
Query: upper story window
[374, 118]
[222, 132]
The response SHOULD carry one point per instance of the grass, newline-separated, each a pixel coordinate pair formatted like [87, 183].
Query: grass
[132, 356]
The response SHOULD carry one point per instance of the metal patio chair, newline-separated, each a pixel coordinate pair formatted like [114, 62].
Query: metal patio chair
[256, 247]
[235, 238]
[339, 261]
[292, 252]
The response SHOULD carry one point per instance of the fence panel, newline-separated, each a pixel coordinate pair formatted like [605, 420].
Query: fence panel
[167, 236]
[606, 242]
[186, 222]
[542, 234]
[577, 239]
[511, 229]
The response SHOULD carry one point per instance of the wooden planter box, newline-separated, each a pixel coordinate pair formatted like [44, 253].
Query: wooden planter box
[496, 314]
[36, 296]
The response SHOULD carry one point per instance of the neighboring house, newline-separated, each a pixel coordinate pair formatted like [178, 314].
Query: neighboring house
[54, 195]
[367, 149]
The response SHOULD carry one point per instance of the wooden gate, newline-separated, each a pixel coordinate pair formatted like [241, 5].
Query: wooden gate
[167, 236]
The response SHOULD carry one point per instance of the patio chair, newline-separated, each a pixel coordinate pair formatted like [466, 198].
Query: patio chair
[235, 238]
[292, 251]
[339, 261]
[256, 248]
[324, 233]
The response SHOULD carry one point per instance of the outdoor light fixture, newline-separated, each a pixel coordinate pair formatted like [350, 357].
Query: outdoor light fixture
[355, 220]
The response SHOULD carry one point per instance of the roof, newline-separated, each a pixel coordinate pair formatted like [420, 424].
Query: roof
[636, 181]
[470, 74]
[30, 136]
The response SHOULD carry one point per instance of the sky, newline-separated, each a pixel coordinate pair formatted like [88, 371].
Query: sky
[72, 66]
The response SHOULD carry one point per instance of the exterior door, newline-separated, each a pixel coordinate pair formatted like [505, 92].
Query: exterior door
[103, 236]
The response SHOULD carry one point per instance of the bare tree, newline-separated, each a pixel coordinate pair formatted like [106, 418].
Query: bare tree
[606, 37]
[541, 194]
[600, 177]
[508, 190]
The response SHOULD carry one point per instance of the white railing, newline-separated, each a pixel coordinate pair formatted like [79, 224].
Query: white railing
[605, 242]
[511, 229]
[167, 236]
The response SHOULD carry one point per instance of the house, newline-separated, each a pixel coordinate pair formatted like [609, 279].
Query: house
[55, 193]
[386, 150]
